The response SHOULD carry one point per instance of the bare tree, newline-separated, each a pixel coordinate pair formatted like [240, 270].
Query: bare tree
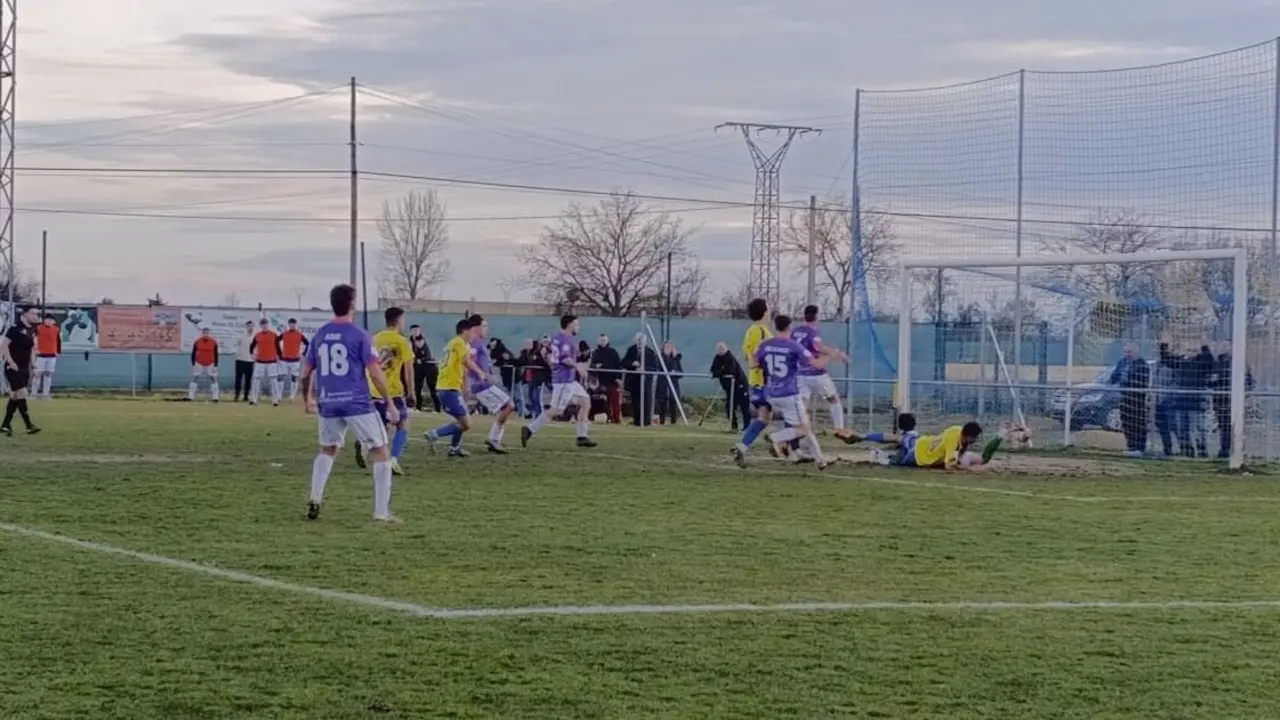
[230, 300]
[938, 291]
[734, 299]
[25, 289]
[298, 294]
[834, 258]
[106, 301]
[611, 257]
[687, 286]
[1210, 284]
[415, 238]
[1109, 232]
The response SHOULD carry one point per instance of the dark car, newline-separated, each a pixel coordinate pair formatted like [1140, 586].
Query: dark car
[1096, 404]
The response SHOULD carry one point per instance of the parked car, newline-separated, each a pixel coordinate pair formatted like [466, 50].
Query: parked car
[1096, 404]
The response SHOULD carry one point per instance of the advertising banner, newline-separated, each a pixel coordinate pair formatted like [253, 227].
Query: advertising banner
[125, 327]
[79, 325]
[227, 324]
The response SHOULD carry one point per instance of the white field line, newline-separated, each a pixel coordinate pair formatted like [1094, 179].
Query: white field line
[426, 611]
[808, 472]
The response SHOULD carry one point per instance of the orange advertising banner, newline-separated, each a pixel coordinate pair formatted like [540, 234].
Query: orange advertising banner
[123, 327]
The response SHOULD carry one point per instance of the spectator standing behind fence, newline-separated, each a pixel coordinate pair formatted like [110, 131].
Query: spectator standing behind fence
[1192, 370]
[726, 369]
[539, 374]
[605, 363]
[640, 367]
[1134, 377]
[1220, 384]
[504, 361]
[425, 370]
[1165, 381]
[524, 371]
[668, 389]
[244, 364]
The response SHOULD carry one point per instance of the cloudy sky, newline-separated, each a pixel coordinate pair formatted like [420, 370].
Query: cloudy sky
[232, 115]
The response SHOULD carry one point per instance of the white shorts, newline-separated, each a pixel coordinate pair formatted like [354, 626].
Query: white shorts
[493, 398]
[820, 386]
[292, 368]
[46, 364]
[209, 371]
[790, 410]
[262, 371]
[565, 394]
[368, 429]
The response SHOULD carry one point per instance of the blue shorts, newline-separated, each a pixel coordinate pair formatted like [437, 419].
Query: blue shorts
[451, 402]
[905, 457]
[381, 407]
[758, 399]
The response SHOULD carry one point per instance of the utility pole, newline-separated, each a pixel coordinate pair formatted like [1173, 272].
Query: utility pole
[355, 192]
[811, 294]
[8, 114]
[765, 276]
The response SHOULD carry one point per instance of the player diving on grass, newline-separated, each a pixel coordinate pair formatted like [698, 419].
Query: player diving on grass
[342, 362]
[493, 398]
[394, 353]
[456, 363]
[565, 388]
[782, 359]
[949, 450]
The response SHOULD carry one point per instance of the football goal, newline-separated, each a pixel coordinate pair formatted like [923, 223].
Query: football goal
[1141, 353]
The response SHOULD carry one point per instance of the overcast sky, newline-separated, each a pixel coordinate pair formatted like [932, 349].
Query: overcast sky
[598, 94]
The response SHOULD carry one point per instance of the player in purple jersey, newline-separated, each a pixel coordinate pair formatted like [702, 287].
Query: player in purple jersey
[816, 381]
[493, 398]
[565, 388]
[782, 359]
[339, 359]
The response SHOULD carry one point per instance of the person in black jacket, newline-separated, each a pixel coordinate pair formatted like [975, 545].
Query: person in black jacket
[1133, 375]
[1193, 371]
[424, 369]
[640, 363]
[1220, 384]
[667, 395]
[726, 369]
[505, 362]
[605, 363]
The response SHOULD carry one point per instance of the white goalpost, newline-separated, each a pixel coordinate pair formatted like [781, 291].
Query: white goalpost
[1068, 319]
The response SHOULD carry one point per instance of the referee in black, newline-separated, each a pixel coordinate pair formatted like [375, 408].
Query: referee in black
[17, 348]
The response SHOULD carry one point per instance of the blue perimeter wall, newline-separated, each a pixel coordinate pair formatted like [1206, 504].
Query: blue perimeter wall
[695, 338]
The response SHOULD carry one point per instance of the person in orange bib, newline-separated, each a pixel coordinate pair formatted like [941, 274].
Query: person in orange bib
[204, 363]
[48, 348]
[266, 362]
[293, 345]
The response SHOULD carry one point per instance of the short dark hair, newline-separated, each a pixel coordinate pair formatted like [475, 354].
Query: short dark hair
[810, 313]
[392, 314]
[342, 299]
[782, 323]
[476, 320]
[415, 326]
[566, 321]
[906, 422]
[971, 429]
[462, 326]
[293, 321]
[757, 309]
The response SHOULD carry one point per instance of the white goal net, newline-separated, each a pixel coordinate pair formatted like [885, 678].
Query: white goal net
[1127, 353]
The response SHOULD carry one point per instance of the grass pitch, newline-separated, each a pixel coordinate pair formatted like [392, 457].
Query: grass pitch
[655, 517]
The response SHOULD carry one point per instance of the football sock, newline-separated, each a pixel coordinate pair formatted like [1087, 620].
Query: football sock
[22, 410]
[582, 428]
[381, 489]
[495, 433]
[398, 442]
[256, 390]
[875, 437]
[784, 435]
[990, 450]
[447, 430]
[191, 390]
[837, 414]
[540, 421]
[9, 410]
[813, 446]
[753, 431]
[319, 476]
[213, 390]
[293, 386]
[276, 390]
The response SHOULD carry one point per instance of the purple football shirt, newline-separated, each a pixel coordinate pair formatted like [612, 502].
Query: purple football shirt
[480, 353]
[782, 358]
[340, 354]
[808, 337]
[564, 358]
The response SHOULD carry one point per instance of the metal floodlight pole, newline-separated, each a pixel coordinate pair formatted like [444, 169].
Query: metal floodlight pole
[355, 191]
[8, 116]
[1017, 288]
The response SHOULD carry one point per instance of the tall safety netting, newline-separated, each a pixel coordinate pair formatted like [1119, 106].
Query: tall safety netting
[1169, 157]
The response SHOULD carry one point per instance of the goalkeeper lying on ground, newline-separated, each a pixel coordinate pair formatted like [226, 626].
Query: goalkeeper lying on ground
[948, 450]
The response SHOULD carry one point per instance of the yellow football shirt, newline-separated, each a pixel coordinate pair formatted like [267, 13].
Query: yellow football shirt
[393, 352]
[453, 364]
[939, 450]
[756, 334]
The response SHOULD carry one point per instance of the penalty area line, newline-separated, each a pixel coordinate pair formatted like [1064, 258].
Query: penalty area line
[482, 613]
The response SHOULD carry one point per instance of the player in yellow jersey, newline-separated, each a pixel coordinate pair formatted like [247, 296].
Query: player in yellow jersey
[394, 355]
[949, 450]
[758, 332]
[455, 361]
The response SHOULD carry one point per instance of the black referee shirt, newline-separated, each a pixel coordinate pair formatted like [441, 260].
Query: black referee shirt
[22, 341]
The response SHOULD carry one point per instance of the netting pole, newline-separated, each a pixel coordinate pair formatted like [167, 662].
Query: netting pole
[1239, 355]
[1071, 368]
[1017, 248]
[1273, 259]
[904, 341]
[855, 240]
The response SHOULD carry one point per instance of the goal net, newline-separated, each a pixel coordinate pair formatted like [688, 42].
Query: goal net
[1126, 353]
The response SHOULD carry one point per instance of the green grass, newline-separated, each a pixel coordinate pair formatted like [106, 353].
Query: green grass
[653, 516]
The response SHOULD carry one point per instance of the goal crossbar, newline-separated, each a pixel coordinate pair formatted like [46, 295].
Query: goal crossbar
[1239, 311]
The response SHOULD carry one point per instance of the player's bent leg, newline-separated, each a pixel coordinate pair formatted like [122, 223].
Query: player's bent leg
[583, 425]
[332, 436]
